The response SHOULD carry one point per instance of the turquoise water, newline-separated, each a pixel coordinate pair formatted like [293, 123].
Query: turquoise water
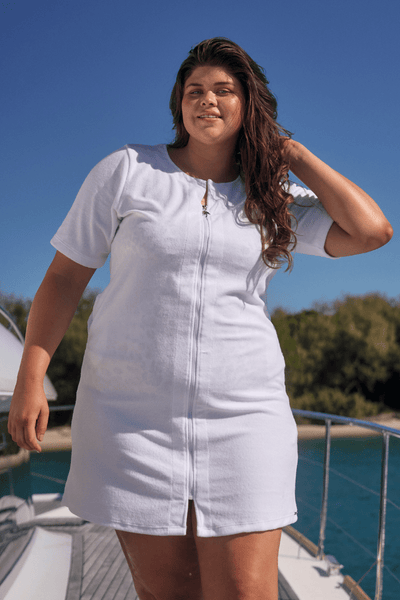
[52, 464]
[353, 509]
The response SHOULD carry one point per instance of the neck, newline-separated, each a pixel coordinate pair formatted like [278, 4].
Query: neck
[205, 161]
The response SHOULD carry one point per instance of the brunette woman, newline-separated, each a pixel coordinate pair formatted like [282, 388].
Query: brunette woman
[183, 437]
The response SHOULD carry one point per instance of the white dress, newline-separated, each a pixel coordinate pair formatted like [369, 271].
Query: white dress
[182, 391]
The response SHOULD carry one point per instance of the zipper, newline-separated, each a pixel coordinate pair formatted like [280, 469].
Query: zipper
[191, 458]
[206, 231]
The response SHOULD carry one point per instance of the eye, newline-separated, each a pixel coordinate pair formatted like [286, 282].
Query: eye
[224, 92]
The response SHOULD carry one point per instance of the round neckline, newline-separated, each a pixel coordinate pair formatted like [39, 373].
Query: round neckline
[191, 177]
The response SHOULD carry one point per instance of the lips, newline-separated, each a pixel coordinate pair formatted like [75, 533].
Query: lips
[208, 116]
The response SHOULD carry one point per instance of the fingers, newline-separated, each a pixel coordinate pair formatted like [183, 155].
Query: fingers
[28, 416]
[30, 438]
[21, 434]
[28, 431]
[290, 149]
[24, 434]
[41, 424]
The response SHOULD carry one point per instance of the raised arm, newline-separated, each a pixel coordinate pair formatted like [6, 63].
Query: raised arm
[359, 224]
[52, 310]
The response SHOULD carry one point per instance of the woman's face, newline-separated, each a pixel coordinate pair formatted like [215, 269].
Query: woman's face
[212, 105]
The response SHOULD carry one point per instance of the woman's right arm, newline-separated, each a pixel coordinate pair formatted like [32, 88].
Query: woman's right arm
[52, 310]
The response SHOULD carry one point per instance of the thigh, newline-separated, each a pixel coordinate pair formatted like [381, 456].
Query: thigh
[239, 567]
[163, 567]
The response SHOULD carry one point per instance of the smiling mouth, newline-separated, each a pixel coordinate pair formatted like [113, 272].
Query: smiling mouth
[208, 117]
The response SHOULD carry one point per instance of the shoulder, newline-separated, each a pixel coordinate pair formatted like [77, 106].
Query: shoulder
[116, 161]
[128, 160]
[146, 149]
[132, 153]
[145, 160]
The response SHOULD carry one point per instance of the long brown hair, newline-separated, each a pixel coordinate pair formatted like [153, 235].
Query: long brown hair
[259, 154]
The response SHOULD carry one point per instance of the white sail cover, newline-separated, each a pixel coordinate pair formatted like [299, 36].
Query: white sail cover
[10, 358]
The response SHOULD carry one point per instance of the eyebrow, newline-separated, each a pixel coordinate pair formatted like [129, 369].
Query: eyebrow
[217, 83]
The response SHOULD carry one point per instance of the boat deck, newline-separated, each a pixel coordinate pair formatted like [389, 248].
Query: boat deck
[99, 570]
[66, 558]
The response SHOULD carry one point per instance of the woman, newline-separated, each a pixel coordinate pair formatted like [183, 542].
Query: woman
[183, 438]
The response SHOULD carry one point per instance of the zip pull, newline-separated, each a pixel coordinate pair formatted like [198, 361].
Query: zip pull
[204, 202]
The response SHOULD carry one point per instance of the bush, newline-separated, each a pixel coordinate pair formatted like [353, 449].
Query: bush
[334, 401]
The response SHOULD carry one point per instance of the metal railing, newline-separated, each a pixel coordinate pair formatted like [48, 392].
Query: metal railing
[11, 324]
[387, 433]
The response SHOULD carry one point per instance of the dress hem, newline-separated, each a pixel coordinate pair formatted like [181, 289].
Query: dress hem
[221, 531]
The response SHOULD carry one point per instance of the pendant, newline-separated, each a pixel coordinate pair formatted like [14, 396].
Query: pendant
[205, 211]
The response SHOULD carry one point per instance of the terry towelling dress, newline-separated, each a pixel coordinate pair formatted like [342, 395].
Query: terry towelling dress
[182, 391]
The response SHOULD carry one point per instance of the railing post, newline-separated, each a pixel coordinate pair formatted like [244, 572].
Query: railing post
[324, 507]
[382, 518]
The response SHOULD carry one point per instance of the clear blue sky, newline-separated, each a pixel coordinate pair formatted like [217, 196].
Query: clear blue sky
[80, 79]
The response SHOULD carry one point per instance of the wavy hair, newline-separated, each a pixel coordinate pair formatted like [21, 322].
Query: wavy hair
[259, 147]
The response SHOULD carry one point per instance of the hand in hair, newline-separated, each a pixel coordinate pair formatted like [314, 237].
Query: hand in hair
[359, 224]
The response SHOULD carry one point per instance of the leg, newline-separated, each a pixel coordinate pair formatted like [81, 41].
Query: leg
[163, 567]
[239, 567]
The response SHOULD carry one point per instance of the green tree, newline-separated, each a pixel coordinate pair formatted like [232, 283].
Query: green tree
[65, 366]
[18, 308]
[342, 357]
[351, 347]
[366, 341]
[334, 401]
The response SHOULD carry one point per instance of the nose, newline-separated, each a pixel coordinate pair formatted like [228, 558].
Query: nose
[209, 98]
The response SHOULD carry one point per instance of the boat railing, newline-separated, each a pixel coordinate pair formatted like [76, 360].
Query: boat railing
[328, 419]
[387, 433]
[11, 324]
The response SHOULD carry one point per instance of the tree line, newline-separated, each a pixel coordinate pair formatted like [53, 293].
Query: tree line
[341, 357]
[65, 366]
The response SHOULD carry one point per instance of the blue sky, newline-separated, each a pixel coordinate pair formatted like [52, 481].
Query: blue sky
[81, 79]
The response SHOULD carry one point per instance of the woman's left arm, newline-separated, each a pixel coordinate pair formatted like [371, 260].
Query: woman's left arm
[359, 224]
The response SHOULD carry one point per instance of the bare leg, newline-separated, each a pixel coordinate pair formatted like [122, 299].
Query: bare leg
[163, 567]
[232, 567]
[239, 567]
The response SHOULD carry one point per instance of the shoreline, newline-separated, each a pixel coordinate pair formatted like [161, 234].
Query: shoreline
[59, 438]
[317, 432]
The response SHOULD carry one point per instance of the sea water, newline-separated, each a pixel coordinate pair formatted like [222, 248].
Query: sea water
[353, 511]
[49, 471]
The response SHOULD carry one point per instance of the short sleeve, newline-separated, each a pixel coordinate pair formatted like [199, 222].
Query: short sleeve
[87, 231]
[310, 222]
